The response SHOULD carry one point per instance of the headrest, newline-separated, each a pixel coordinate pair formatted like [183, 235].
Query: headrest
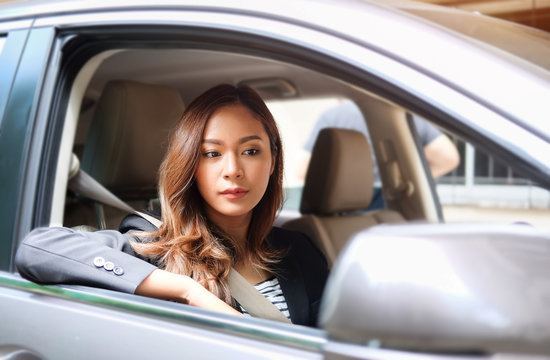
[129, 135]
[340, 173]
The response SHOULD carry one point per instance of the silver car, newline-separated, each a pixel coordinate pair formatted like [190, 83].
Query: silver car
[406, 283]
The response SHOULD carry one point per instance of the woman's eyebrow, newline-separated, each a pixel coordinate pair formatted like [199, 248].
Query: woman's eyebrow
[249, 138]
[241, 140]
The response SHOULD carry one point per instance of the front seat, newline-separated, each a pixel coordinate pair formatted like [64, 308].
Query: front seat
[128, 137]
[338, 187]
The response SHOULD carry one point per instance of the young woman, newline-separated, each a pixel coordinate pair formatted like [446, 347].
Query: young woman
[220, 187]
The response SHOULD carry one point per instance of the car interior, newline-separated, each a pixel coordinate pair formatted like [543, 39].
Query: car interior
[337, 188]
[124, 103]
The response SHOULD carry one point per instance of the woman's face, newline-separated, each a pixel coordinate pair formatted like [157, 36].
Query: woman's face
[235, 163]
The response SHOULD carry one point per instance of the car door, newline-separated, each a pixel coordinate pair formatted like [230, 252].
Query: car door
[54, 322]
[70, 321]
[13, 36]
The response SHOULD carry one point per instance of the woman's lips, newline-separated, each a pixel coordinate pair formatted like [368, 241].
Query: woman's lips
[235, 193]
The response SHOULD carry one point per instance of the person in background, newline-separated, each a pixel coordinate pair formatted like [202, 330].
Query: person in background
[441, 154]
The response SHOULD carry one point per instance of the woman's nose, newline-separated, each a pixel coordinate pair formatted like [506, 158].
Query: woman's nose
[232, 167]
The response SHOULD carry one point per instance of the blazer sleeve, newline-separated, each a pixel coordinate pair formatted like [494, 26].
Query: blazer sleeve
[63, 256]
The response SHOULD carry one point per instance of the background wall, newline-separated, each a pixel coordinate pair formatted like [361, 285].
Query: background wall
[534, 13]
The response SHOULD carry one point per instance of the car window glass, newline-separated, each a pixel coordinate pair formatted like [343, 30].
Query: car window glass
[482, 188]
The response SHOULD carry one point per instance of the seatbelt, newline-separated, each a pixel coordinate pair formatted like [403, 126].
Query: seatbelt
[252, 300]
[245, 293]
[86, 185]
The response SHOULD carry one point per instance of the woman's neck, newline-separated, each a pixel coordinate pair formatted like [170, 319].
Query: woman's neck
[234, 226]
[237, 228]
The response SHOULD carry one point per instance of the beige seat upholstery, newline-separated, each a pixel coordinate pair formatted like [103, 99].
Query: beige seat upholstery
[337, 189]
[126, 142]
[129, 135]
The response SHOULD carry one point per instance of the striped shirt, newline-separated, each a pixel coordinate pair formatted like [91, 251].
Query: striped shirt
[271, 290]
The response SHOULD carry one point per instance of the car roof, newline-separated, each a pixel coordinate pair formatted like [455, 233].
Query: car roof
[522, 41]
[470, 24]
[487, 59]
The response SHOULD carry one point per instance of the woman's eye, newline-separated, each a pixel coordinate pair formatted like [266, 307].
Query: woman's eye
[211, 154]
[251, 152]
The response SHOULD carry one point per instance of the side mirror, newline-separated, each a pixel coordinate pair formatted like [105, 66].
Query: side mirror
[465, 288]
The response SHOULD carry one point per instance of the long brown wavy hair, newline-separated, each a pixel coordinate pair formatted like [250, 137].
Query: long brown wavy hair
[187, 242]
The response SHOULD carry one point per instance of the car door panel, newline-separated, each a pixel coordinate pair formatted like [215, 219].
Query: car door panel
[17, 128]
[86, 323]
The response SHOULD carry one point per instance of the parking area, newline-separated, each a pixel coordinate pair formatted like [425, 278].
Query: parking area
[536, 217]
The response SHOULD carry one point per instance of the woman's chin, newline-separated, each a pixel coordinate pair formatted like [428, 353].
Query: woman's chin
[231, 212]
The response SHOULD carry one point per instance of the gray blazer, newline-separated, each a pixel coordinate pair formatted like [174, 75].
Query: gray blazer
[106, 259]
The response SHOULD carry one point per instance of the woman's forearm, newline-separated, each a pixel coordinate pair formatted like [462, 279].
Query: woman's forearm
[63, 256]
[165, 285]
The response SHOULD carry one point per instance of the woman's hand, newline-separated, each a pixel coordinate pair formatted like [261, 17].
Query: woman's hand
[165, 285]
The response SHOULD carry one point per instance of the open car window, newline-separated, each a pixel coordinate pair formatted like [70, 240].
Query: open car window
[112, 140]
[125, 117]
[485, 189]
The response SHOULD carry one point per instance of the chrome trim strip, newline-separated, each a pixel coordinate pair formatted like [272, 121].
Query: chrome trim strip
[14, 25]
[299, 337]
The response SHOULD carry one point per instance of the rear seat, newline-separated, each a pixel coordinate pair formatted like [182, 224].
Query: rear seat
[337, 189]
